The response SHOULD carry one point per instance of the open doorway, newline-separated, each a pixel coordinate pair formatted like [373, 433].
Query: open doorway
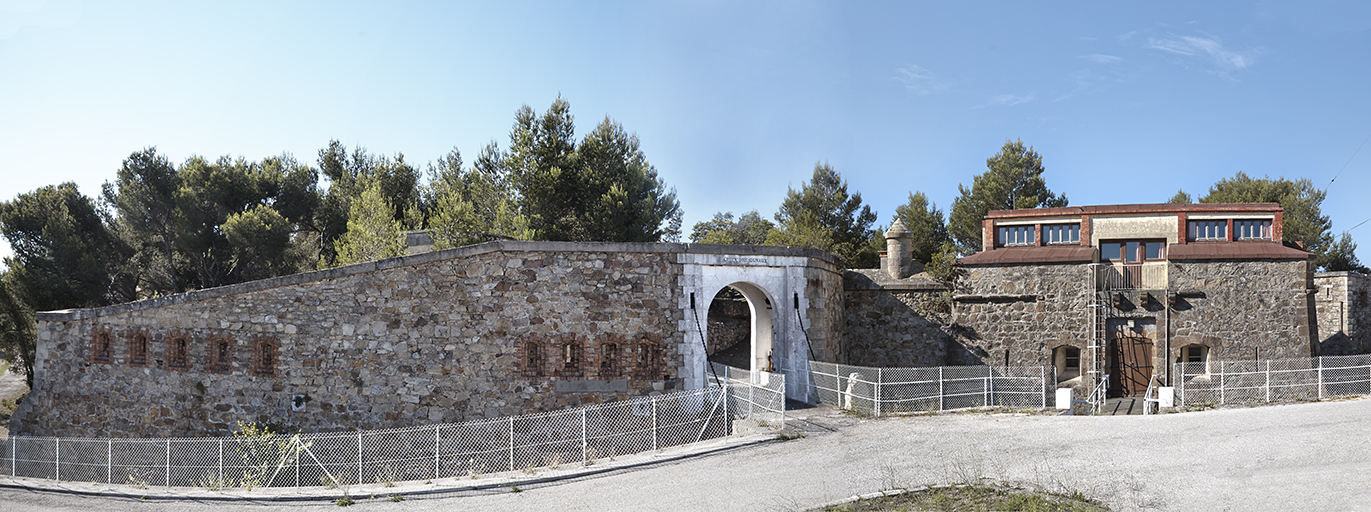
[739, 328]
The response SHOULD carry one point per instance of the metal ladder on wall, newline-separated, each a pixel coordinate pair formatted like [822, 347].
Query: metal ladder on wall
[1100, 308]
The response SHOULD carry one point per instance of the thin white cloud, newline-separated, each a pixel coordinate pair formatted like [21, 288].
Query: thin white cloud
[1210, 49]
[1100, 58]
[1005, 100]
[920, 81]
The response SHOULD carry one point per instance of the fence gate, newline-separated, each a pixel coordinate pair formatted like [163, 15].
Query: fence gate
[1130, 355]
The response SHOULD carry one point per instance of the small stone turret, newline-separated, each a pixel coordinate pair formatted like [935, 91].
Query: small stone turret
[899, 260]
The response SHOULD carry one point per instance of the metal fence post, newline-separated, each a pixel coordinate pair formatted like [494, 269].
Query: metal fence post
[109, 461]
[1268, 381]
[57, 460]
[221, 461]
[511, 443]
[879, 380]
[437, 439]
[168, 465]
[1042, 384]
[1320, 377]
[654, 424]
[941, 406]
[585, 442]
[359, 458]
[1221, 375]
[297, 451]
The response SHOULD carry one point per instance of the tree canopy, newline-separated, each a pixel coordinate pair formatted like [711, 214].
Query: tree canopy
[822, 215]
[748, 229]
[1013, 180]
[603, 189]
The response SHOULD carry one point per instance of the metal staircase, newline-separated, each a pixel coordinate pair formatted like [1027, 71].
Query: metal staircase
[1100, 308]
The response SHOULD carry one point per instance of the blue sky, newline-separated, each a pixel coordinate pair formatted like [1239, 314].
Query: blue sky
[733, 101]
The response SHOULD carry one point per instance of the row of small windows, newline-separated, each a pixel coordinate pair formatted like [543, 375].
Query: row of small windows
[1211, 230]
[218, 355]
[617, 358]
[1133, 251]
[1052, 234]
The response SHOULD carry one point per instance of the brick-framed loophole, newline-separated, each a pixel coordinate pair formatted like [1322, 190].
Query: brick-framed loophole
[138, 341]
[570, 362]
[219, 349]
[178, 351]
[648, 362]
[610, 355]
[102, 345]
[266, 355]
[532, 355]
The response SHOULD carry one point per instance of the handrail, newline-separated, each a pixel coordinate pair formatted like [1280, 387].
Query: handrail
[1096, 399]
[1147, 398]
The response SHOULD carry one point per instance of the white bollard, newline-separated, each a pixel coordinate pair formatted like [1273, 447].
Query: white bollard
[1166, 396]
[1064, 398]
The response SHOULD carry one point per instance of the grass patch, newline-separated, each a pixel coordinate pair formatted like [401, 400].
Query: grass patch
[974, 497]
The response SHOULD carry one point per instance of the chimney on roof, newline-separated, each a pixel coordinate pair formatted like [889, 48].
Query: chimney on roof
[899, 261]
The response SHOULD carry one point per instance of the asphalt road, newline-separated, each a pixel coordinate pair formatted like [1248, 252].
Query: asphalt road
[1288, 457]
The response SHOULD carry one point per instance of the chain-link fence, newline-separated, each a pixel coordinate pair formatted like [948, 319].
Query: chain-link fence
[1308, 379]
[578, 436]
[759, 395]
[878, 391]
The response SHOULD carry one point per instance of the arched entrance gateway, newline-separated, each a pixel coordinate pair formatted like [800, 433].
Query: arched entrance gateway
[780, 293]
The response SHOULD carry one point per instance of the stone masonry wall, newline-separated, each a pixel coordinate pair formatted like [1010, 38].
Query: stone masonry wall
[1344, 306]
[441, 340]
[895, 323]
[1246, 305]
[1023, 310]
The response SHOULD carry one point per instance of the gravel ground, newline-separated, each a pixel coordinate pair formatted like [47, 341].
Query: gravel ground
[1288, 457]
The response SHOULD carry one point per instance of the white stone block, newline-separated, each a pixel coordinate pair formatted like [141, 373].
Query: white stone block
[1064, 398]
[1166, 396]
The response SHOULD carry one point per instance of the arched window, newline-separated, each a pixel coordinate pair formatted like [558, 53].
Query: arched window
[1194, 361]
[102, 347]
[138, 349]
[1067, 360]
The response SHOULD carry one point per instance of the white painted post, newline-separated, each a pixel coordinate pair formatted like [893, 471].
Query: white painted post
[940, 388]
[437, 439]
[1268, 381]
[1042, 384]
[58, 460]
[297, 462]
[585, 442]
[168, 465]
[511, 443]
[359, 458]
[1320, 377]
[221, 461]
[109, 461]
[1221, 391]
[654, 424]
[880, 380]
[14, 456]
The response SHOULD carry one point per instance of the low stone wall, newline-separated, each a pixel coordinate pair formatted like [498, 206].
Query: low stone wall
[895, 323]
[1344, 312]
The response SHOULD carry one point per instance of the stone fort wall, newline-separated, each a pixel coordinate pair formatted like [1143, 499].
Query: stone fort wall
[1344, 304]
[490, 330]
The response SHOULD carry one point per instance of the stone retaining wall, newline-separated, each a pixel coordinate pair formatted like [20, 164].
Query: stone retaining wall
[495, 329]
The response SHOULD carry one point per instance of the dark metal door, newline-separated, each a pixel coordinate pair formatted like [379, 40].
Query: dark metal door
[1130, 358]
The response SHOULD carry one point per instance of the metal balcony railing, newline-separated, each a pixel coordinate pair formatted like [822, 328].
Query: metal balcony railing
[1131, 276]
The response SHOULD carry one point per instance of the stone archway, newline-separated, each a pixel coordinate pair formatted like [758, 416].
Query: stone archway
[777, 295]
